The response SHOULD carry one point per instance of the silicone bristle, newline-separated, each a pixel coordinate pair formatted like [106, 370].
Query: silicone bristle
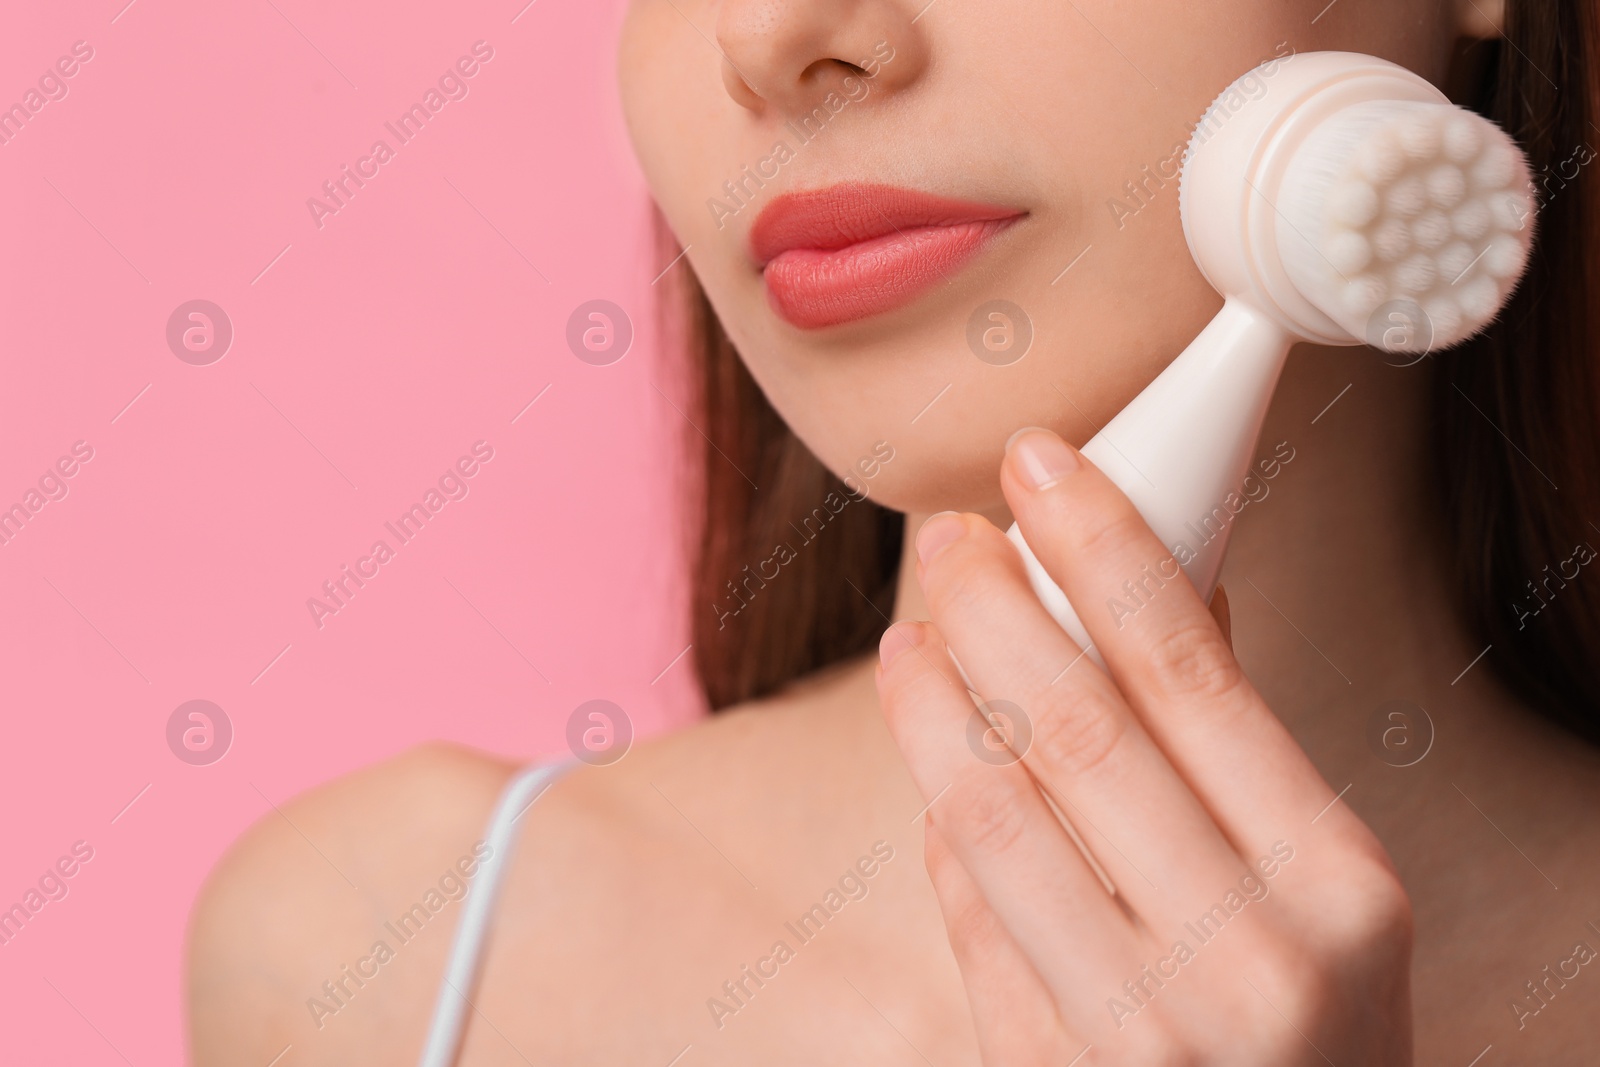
[1349, 252]
[1455, 258]
[1431, 230]
[1446, 185]
[1406, 197]
[1392, 239]
[1462, 138]
[1355, 203]
[1382, 157]
[1472, 220]
[1423, 203]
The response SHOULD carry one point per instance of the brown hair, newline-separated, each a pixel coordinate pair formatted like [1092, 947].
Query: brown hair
[775, 592]
[1516, 426]
[1514, 415]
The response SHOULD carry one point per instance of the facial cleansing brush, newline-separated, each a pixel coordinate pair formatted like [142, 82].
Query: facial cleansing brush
[1329, 197]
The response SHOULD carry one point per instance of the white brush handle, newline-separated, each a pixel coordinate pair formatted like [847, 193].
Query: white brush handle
[1179, 450]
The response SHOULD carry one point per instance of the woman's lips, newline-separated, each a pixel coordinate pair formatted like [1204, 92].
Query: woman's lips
[850, 251]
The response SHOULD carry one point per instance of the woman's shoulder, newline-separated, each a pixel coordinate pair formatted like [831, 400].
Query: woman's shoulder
[305, 933]
[309, 891]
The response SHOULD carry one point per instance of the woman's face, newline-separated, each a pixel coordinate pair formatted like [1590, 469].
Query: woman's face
[884, 198]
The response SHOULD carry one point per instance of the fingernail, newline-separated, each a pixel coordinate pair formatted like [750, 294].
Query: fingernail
[937, 532]
[896, 640]
[1042, 458]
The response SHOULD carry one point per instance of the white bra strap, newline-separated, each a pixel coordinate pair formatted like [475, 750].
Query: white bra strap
[466, 951]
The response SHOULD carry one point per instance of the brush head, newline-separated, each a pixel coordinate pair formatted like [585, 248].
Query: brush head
[1346, 197]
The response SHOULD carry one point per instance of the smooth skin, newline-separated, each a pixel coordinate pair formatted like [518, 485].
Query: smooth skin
[639, 890]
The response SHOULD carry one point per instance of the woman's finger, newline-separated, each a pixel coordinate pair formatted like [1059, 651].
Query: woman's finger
[993, 817]
[1016, 1018]
[1222, 614]
[1139, 818]
[1164, 648]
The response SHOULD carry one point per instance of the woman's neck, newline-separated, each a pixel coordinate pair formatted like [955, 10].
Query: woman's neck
[1336, 573]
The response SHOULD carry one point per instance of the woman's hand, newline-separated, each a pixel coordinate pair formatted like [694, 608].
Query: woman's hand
[1256, 920]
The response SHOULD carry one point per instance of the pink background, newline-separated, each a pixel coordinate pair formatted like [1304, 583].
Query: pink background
[367, 357]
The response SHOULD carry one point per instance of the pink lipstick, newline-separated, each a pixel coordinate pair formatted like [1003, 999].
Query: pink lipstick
[850, 251]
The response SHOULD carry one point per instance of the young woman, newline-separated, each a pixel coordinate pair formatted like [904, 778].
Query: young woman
[1359, 830]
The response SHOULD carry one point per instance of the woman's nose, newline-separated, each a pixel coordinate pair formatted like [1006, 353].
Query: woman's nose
[788, 54]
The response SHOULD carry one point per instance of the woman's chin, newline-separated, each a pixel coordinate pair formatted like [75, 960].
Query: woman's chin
[932, 487]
